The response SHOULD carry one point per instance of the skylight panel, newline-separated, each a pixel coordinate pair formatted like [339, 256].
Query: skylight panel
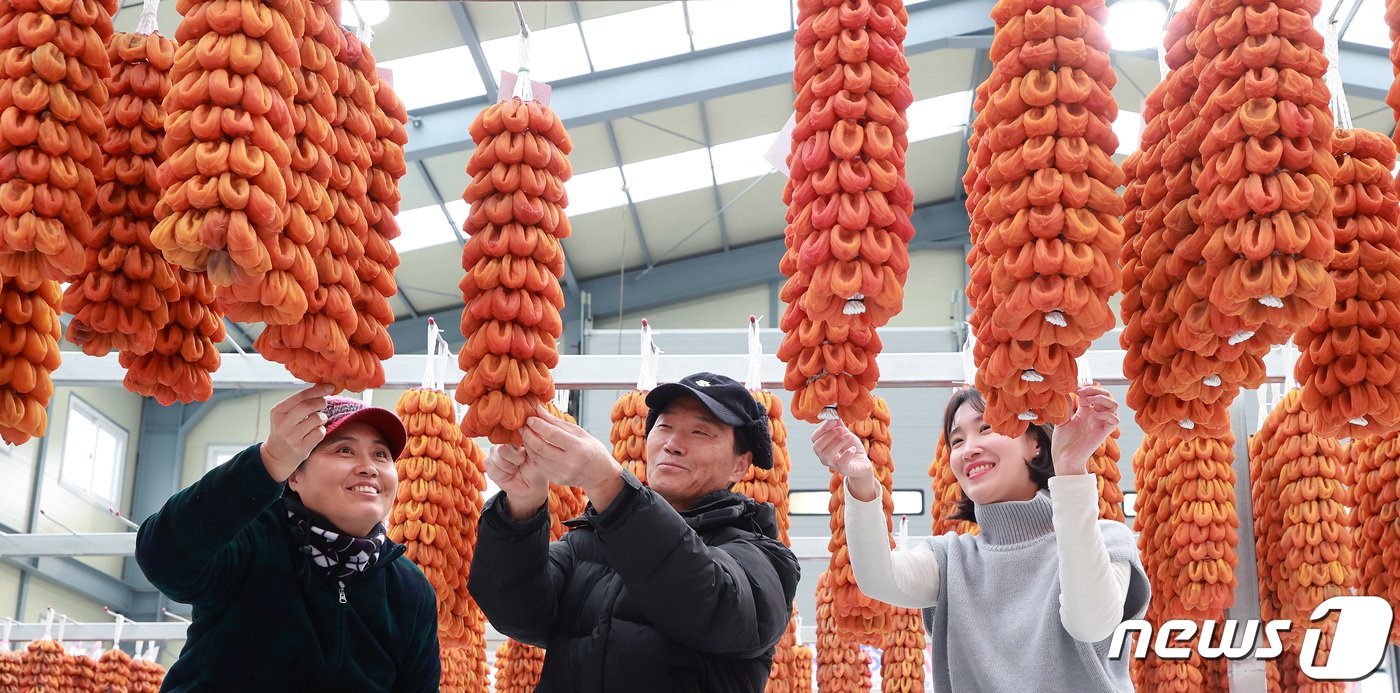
[638, 36]
[423, 227]
[722, 22]
[1128, 127]
[438, 77]
[741, 160]
[668, 175]
[555, 53]
[1369, 28]
[939, 115]
[594, 191]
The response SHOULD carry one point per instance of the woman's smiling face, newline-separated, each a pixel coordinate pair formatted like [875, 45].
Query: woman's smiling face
[990, 467]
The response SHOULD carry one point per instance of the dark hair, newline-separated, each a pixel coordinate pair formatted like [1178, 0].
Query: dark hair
[742, 444]
[1041, 467]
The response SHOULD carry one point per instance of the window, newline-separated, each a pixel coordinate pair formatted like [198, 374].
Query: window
[1130, 500]
[906, 502]
[94, 453]
[219, 453]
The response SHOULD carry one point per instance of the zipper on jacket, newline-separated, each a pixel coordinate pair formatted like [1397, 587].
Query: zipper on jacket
[343, 600]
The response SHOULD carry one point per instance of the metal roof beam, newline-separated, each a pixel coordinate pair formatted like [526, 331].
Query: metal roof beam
[702, 75]
[939, 225]
[463, 18]
[683, 79]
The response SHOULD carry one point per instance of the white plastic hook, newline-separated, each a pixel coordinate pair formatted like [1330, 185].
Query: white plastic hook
[48, 624]
[523, 89]
[149, 21]
[903, 532]
[5, 638]
[429, 364]
[116, 631]
[50, 518]
[968, 363]
[1162, 54]
[1263, 395]
[1085, 375]
[174, 615]
[1240, 337]
[1290, 365]
[1341, 110]
[651, 360]
[855, 305]
[117, 514]
[754, 379]
[62, 627]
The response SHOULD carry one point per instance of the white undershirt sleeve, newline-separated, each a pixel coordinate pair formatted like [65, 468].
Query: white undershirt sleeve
[1093, 589]
[902, 578]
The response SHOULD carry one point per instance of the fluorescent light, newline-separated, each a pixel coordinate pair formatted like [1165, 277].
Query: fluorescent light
[906, 502]
[1136, 24]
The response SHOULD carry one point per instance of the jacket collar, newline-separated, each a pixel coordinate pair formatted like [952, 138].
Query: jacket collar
[389, 551]
[723, 508]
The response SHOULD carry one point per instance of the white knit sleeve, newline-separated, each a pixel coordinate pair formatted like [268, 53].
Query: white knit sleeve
[1093, 589]
[902, 578]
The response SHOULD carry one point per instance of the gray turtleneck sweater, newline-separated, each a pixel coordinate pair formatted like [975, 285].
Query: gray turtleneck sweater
[1033, 598]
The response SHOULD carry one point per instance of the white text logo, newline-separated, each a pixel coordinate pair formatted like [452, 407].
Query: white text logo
[1358, 644]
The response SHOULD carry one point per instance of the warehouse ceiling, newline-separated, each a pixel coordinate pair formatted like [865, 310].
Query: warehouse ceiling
[672, 107]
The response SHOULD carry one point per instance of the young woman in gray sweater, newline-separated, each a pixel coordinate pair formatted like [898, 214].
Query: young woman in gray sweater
[1031, 601]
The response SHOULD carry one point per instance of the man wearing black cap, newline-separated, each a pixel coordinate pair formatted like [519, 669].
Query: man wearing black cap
[682, 586]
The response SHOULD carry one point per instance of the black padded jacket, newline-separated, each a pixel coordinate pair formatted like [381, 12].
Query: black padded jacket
[640, 597]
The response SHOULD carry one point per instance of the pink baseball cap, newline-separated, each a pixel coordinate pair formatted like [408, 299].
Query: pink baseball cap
[343, 410]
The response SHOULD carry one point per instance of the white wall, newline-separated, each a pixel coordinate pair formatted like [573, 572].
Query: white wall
[730, 310]
[17, 470]
[44, 594]
[929, 301]
[933, 290]
[241, 421]
[244, 421]
[9, 591]
[78, 508]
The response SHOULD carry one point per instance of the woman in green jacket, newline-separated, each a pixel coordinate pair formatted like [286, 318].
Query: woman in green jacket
[283, 555]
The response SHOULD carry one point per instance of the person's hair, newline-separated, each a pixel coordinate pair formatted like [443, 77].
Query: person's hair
[1041, 467]
[741, 441]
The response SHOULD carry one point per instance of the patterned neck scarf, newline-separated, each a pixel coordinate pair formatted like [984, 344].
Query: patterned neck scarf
[334, 554]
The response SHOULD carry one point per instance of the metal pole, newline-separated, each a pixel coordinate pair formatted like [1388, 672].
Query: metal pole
[1246, 675]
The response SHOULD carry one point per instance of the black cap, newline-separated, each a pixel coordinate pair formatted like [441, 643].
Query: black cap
[729, 401]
